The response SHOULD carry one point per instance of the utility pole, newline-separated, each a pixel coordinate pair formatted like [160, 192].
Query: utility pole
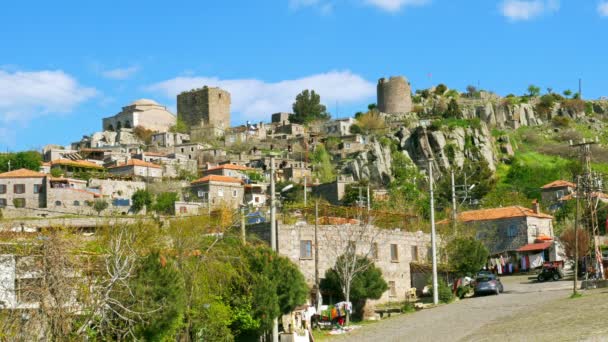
[243, 232]
[317, 284]
[433, 236]
[590, 187]
[368, 200]
[305, 190]
[454, 216]
[578, 192]
[273, 238]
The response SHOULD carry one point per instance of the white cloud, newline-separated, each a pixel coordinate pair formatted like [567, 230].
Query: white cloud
[602, 8]
[521, 10]
[120, 73]
[323, 6]
[26, 95]
[395, 5]
[256, 100]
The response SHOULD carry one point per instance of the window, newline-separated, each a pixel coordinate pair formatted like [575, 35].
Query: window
[37, 188]
[512, 231]
[57, 203]
[394, 253]
[392, 289]
[257, 199]
[533, 230]
[183, 210]
[306, 249]
[19, 202]
[414, 251]
[220, 192]
[2, 202]
[374, 251]
[182, 150]
[19, 188]
[234, 193]
[191, 149]
[2, 189]
[77, 203]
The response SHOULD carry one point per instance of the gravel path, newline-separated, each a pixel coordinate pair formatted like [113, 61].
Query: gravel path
[454, 322]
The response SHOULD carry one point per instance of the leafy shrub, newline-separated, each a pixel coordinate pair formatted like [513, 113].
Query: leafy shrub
[574, 105]
[463, 291]
[441, 89]
[408, 307]
[561, 121]
[445, 293]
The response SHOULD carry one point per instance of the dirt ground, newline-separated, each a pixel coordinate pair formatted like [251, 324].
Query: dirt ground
[526, 311]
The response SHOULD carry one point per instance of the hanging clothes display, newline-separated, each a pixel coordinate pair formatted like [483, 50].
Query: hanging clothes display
[536, 260]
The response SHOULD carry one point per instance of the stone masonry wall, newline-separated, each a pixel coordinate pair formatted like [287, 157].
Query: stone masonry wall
[331, 245]
[205, 107]
[394, 95]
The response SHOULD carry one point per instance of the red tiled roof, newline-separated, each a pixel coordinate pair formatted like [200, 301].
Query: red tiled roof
[230, 167]
[136, 162]
[216, 178]
[77, 163]
[541, 246]
[22, 173]
[499, 213]
[558, 184]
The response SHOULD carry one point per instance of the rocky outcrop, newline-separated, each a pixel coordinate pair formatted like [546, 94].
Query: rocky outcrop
[373, 165]
[448, 147]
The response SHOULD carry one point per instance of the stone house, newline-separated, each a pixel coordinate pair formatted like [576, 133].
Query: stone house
[392, 250]
[280, 118]
[188, 208]
[255, 195]
[145, 113]
[70, 167]
[338, 127]
[229, 170]
[216, 190]
[334, 191]
[553, 193]
[170, 139]
[135, 168]
[245, 133]
[505, 230]
[174, 165]
[119, 192]
[288, 130]
[23, 188]
[351, 144]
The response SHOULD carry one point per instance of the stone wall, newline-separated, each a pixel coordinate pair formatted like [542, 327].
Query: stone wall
[205, 107]
[394, 95]
[333, 239]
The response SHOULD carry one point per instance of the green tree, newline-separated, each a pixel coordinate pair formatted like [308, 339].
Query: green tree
[56, 172]
[141, 199]
[323, 167]
[179, 127]
[533, 90]
[368, 284]
[308, 108]
[27, 159]
[440, 89]
[567, 93]
[453, 110]
[475, 174]
[100, 205]
[371, 122]
[165, 203]
[466, 255]
[158, 291]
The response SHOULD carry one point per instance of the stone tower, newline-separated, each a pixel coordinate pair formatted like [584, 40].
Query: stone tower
[204, 107]
[394, 95]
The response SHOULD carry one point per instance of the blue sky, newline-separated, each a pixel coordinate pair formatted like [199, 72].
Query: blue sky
[64, 65]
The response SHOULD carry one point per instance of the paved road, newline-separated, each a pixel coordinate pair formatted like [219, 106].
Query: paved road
[456, 321]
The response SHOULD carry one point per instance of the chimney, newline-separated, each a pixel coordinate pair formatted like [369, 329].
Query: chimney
[536, 207]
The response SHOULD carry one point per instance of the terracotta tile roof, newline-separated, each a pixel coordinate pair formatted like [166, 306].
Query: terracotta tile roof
[541, 246]
[230, 167]
[499, 213]
[216, 178]
[22, 173]
[137, 162]
[76, 163]
[558, 184]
